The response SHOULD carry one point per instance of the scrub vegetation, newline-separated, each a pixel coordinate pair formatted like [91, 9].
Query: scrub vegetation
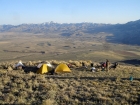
[80, 87]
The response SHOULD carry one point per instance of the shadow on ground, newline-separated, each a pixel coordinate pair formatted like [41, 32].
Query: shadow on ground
[135, 62]
[34, 69]
[28, 69]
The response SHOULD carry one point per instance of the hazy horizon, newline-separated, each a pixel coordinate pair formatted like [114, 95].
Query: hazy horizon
[17, 12]
[66, 23]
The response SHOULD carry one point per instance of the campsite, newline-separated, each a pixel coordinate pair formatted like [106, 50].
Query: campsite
[75, 85]
[80, 86]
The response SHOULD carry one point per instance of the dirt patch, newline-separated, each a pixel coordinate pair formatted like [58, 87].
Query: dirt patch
[4, 42]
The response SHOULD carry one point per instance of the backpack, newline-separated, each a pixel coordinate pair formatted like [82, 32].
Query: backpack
[104, 64]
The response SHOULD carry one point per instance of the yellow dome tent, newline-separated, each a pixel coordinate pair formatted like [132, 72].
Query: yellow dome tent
[62, 68]
[44, 69]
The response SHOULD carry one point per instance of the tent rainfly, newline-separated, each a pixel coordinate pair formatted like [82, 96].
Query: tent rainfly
[44, 69]
[19, 64]
[62, 68]
[48, 64]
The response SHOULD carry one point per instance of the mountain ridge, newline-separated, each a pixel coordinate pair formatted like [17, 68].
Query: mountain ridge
[127, 33]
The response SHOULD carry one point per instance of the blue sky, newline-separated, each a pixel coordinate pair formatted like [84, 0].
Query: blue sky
[68, 11]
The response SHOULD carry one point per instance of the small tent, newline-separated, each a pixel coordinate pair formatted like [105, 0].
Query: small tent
[44, 69]
[19, 64]
[62, 68]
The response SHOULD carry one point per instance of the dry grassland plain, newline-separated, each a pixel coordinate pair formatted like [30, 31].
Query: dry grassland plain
[53, 46]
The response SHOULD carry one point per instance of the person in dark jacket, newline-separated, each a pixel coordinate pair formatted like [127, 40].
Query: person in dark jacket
[107, 64]
[114, 66]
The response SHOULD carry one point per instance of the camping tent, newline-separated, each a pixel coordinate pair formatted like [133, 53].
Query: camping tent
[44, 69]
[62, 68]
[19, 64]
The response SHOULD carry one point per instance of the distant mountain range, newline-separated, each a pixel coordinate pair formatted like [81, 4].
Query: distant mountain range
[128, 33]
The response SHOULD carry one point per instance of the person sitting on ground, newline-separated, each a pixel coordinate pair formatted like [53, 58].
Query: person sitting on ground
[114, 66]
[103, 65]
[93, 69]
[83, 64]
[69, 65]
[91, 64]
